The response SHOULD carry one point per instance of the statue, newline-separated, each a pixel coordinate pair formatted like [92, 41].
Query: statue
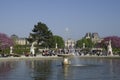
[56, 46]
[109, 48]
[83, 45]
[11, 50]
[32, 49]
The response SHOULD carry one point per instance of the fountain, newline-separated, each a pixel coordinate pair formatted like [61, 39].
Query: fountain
[65, 58]
[73, 55]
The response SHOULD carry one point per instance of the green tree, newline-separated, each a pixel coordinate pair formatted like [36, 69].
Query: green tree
[79, 43]
[20, 49]
[88, 43]
[42, 35]
[59, 40]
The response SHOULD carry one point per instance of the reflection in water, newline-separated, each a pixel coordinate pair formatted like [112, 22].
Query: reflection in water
[6, 67]
[95, 69]
[40, 70]
[113, 70]
[65, 70]
[111, 67]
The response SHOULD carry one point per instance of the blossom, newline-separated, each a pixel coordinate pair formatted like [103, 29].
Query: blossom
[5, 41]
[115, 41]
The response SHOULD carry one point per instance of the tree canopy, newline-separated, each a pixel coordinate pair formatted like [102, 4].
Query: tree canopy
[59, 40]
[88, 43]
[115, 41]
[41, 34]
[5, 41]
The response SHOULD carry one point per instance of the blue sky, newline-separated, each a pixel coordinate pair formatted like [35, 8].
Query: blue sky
[77, 16]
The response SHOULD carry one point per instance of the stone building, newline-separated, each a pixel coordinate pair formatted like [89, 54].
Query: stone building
[69, 43]
[94, 37]
[19, 41]
[88, 35]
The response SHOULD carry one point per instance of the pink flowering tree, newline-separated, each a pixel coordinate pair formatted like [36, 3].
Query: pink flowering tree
[5, 42]
[115, 43]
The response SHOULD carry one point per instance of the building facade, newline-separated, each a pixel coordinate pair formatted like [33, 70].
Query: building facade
[19, 41]
[94, 37]
[69, 43]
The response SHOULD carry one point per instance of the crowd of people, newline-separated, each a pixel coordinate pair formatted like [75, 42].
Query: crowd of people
[49, 52]
[77, 52]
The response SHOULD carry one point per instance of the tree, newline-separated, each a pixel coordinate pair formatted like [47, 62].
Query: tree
[88, 43]
[79, 43]
[41, 34]
[5, 42]
[59, 40]
[115, 42]
[14, 38]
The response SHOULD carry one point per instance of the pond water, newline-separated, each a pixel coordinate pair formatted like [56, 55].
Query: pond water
[51, 69]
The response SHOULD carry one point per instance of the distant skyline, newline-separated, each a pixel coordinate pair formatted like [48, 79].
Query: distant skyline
[66, 18]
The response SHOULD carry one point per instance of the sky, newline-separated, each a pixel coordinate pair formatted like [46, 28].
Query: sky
[66, 18]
